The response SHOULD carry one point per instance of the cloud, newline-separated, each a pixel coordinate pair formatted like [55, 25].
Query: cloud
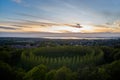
[74, 25]
[40, 23]
[29, 23]
[8, 28]
[38, 17]
[22, 2]
[17, 1]
[101, 25]
[48, 21]
[114, 24]
[117, 23]
[48, 34]
[28, 15]
[49, 24]
[83, 11]
[22, 22]
[64, 31]
[23, 26]
[110, 16]
[111, 27]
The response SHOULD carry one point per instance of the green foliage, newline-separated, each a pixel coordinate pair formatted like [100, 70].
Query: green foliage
[19, 74]
[81, 56]
[116, 54]
[10, 55]
[6, 71]
[113, 70]
[98, 74]
[108, 51]
[50, 75]
[37, 73]
[46, 63]
[63, 73]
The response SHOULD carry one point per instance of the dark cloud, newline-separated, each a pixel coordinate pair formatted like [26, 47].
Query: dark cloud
[38, 23]
[21, 26]
[102, 25]
[28, 15]
[74, 25]
[8, 28]
[25, 22]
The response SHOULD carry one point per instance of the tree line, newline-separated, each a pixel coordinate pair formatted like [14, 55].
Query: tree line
[60, 63]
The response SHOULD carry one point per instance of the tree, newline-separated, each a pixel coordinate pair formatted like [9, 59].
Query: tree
[63, 73]
[19, 74]
[113, 70]
[116, 55]
[37, 73]
[50, 75]
[93, 73]
[6, 72]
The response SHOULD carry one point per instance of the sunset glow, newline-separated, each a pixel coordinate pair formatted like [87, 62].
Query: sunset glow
[60, 16]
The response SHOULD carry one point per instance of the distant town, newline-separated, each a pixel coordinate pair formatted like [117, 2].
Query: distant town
[43, 42]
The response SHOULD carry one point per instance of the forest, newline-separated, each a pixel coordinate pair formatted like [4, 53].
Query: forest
[60, 63]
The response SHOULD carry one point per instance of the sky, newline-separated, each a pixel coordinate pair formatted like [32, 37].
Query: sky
[60, 16]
